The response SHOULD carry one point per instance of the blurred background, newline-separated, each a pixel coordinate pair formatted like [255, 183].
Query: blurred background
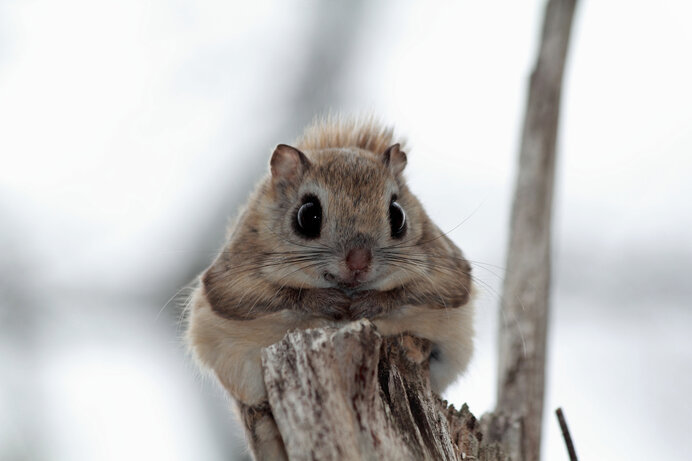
[131, 131]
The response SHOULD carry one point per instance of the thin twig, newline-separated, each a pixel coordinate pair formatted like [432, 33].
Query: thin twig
[566, 435]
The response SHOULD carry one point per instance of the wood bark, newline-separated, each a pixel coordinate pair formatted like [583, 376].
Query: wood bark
[526, 291]
[349, 394]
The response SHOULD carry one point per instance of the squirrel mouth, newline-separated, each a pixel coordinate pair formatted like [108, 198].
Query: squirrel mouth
[351, 282]
[355, 280]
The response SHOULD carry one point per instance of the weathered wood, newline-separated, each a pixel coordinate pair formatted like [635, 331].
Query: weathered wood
[506, 431]
[524, 308]
[349, 394]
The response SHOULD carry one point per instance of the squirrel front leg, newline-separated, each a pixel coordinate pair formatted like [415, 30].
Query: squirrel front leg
[450, 331]
[247, 295]
[436, 306]
[233, 318]
[446, 275]
[442, 280]
[231, 348]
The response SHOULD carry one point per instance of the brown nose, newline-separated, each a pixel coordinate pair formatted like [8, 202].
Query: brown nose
[358, 259]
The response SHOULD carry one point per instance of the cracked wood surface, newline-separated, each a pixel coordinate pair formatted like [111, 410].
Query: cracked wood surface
[349, 394]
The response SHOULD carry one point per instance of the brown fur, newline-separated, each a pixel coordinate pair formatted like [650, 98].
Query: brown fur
[268, 279]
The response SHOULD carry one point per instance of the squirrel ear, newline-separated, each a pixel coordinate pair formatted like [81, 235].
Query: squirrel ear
[394, 159]
[288, 163]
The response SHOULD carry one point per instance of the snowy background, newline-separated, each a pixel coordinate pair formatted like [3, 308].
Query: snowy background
[131, 130]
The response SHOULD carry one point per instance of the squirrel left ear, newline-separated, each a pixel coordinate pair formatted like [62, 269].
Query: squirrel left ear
[288, 163]
[395, 159]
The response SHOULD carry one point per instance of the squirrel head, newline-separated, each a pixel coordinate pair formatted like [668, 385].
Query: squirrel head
[340, 217]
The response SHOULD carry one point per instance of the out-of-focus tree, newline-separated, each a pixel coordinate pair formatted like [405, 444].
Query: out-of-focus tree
[322, 69]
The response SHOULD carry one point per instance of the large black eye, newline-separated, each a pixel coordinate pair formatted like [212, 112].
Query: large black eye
[308, 220]
[397, 219]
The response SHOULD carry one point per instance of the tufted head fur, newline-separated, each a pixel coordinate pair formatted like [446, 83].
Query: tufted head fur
[364, 133]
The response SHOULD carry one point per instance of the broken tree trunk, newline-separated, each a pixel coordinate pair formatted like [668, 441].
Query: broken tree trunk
[524, 308]
[349, 394]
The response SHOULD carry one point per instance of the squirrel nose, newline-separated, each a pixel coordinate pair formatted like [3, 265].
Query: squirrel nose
[358, 259]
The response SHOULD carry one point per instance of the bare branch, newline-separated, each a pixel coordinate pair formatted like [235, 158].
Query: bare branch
[523, 328]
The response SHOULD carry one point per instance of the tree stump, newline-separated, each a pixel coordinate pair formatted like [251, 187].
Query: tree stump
[350, 394]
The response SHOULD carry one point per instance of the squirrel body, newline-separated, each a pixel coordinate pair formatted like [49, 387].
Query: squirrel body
[331, 235]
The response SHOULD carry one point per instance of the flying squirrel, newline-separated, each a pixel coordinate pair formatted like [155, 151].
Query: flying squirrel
[331, 234]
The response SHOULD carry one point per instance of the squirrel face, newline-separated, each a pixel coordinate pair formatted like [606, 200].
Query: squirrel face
[346, 213]
[334, 232]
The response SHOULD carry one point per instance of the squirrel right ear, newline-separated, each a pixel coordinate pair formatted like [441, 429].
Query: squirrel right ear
[395, 159]
[288, 163]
